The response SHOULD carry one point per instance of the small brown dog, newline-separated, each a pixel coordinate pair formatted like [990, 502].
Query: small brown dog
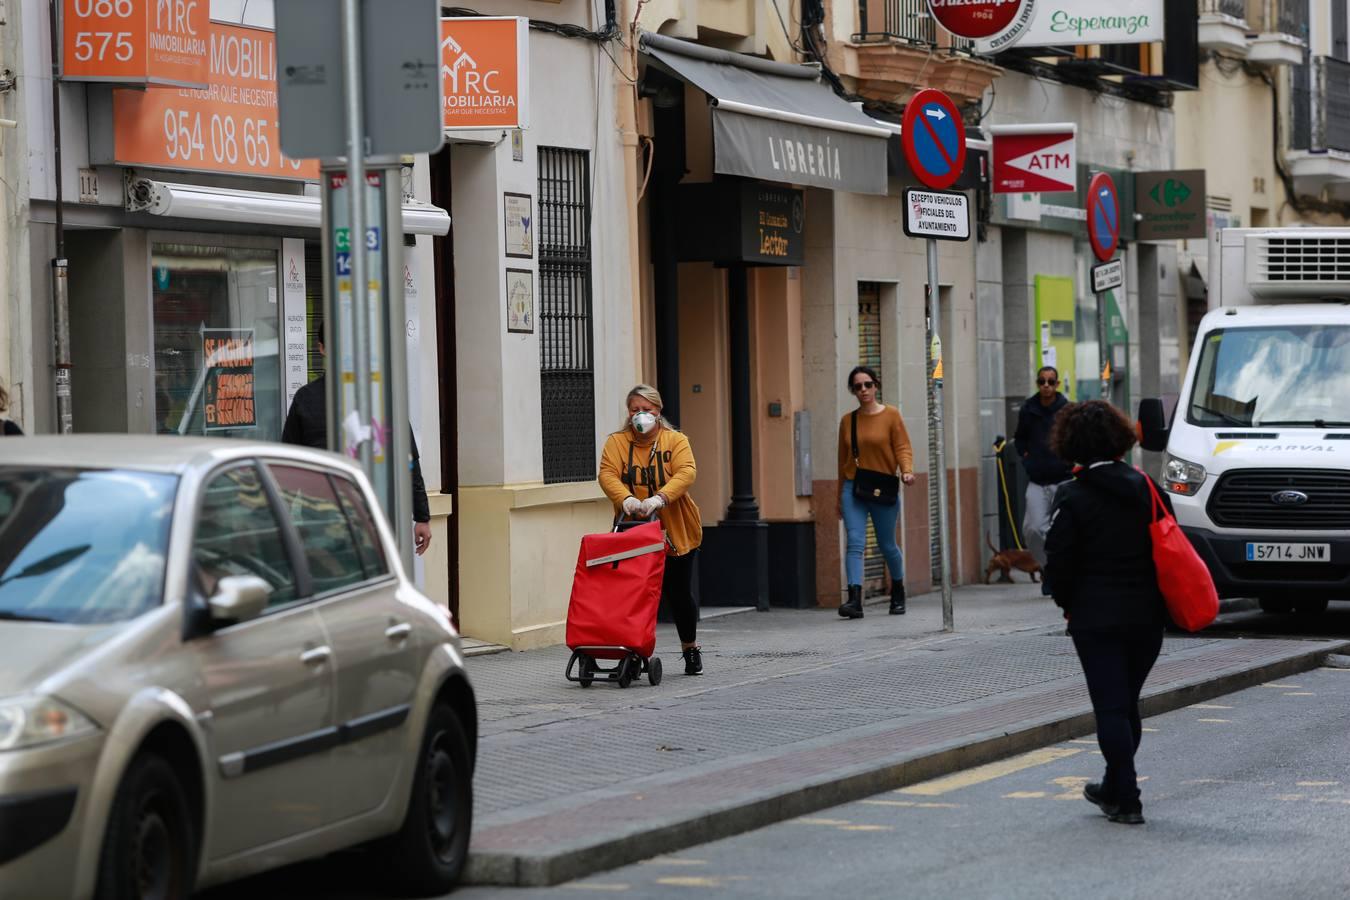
[1007, 560]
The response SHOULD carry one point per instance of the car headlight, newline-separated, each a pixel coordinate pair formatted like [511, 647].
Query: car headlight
[29, 720]
[1182, 477]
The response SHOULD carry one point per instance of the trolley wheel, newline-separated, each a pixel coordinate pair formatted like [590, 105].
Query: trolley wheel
[654, 671]
[585, 671]
[626, 671]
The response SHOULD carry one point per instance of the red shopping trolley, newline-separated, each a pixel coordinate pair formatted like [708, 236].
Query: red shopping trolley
[615, 595]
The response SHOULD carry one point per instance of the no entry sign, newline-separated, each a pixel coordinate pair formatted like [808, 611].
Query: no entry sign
[934, 139]
[1035, 158]
[1103, 216]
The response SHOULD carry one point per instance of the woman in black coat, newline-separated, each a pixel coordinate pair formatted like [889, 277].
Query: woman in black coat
[1100, 570]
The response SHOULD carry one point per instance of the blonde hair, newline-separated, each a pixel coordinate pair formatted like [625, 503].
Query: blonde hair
[652, 396]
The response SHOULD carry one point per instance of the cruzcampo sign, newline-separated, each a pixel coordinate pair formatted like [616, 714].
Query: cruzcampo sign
[1171, 204]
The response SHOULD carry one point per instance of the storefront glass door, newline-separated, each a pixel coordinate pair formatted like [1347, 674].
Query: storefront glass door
[216, 321]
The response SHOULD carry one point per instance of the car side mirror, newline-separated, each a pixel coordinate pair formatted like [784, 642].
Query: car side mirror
[1153, 430]
[239, 598]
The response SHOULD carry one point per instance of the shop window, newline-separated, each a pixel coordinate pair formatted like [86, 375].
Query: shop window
[216, 321]
[566, 344]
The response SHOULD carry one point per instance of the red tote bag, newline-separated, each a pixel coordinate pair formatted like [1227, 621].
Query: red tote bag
[1183, 577]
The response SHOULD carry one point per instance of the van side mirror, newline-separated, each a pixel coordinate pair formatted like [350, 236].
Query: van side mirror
[1153, 428]
[239, 598]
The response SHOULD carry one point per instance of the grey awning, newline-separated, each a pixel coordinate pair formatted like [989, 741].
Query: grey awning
[777, 121]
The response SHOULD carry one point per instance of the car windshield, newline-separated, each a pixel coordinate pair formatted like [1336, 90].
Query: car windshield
[1292, 375]
[82, 546]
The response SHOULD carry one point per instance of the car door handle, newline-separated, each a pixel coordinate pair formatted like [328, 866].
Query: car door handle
[398, 632]
[316, 656]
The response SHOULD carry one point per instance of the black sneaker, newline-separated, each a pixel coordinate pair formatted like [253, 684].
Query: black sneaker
[1130, 817]
[693, 661]
[1094, 794]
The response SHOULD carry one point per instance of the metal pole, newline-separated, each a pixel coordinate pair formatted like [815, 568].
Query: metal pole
[60, 265]
[356, 200]
[935, 422]
[396, 369]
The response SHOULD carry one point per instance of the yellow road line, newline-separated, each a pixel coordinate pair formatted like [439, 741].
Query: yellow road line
[912, 804]
[866, 828]
[1273, 684]
[1024, 795]
[1083, 741]
[1299, 694]
[1225, 721]
[981, 774]
[1146, 728]
[1208, 706]
[1317, 783]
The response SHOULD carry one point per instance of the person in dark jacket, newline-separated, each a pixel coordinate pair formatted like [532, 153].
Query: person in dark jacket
[307, 425]
[1045, 471]
[1102, 574]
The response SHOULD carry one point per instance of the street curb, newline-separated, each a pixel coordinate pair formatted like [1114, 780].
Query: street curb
[847, 785]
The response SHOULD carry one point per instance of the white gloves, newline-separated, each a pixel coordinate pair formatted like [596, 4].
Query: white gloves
[632, 506]
[651, 505]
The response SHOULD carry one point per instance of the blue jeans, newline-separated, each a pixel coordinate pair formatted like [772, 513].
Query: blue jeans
[856, 511]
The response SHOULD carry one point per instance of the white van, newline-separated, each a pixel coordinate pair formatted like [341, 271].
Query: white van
[1257, 459]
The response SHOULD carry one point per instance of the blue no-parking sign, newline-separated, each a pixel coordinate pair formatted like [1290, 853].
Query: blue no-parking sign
[934, 139]
[1103, 216]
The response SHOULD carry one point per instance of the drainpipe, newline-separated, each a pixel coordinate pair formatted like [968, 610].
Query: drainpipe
[60, 265]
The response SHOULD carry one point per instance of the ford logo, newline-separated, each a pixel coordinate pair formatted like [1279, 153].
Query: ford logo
[1289, 498]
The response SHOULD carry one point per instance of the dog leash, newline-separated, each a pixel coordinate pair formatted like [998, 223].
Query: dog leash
[1003, 483]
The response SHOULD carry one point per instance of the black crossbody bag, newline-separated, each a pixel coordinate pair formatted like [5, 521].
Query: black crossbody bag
[869, 484]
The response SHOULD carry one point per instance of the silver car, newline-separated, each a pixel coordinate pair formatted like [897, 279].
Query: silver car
[212, 663]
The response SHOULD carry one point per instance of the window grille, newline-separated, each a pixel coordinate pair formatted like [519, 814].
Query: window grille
[566, 343]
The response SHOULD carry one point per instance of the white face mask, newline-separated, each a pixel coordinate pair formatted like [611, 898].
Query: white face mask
[643, 422]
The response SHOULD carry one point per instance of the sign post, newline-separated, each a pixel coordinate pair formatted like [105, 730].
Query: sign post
[379, 64]
[1103, 223]
[933, 136]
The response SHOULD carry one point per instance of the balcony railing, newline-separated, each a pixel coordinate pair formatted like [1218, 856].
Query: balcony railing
[1284, 16]
[1237, 9]
[903, 20]
[1321, 105]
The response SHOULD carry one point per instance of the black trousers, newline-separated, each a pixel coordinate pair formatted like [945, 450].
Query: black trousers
[1116, 662]
[677, 595]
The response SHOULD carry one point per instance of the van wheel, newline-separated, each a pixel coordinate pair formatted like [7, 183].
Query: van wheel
[428, 854]
[1278, 606]
[150, 848]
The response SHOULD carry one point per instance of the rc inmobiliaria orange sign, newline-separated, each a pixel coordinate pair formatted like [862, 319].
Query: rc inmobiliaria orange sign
[135, 41]
[229, 126]
[485, 72]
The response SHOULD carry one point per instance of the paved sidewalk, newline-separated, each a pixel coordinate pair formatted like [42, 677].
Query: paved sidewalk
[798, 710]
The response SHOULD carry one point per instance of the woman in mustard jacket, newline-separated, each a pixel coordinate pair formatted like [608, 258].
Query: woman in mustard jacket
[645, 469]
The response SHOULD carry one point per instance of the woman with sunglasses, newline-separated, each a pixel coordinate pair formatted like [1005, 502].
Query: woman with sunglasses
[873, 446]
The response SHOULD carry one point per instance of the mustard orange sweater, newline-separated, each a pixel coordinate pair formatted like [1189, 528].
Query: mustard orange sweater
[883, 444]
[663, 464]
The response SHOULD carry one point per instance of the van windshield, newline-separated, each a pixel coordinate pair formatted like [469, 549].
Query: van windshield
[82, 546]
[1291, 375]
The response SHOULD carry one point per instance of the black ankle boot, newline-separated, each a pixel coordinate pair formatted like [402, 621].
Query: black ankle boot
[897, 598]
[852, 608]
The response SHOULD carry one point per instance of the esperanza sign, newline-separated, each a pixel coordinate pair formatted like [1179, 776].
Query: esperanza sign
[1058, 23]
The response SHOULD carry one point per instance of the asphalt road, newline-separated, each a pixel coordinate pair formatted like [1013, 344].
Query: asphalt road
[1246, 796]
